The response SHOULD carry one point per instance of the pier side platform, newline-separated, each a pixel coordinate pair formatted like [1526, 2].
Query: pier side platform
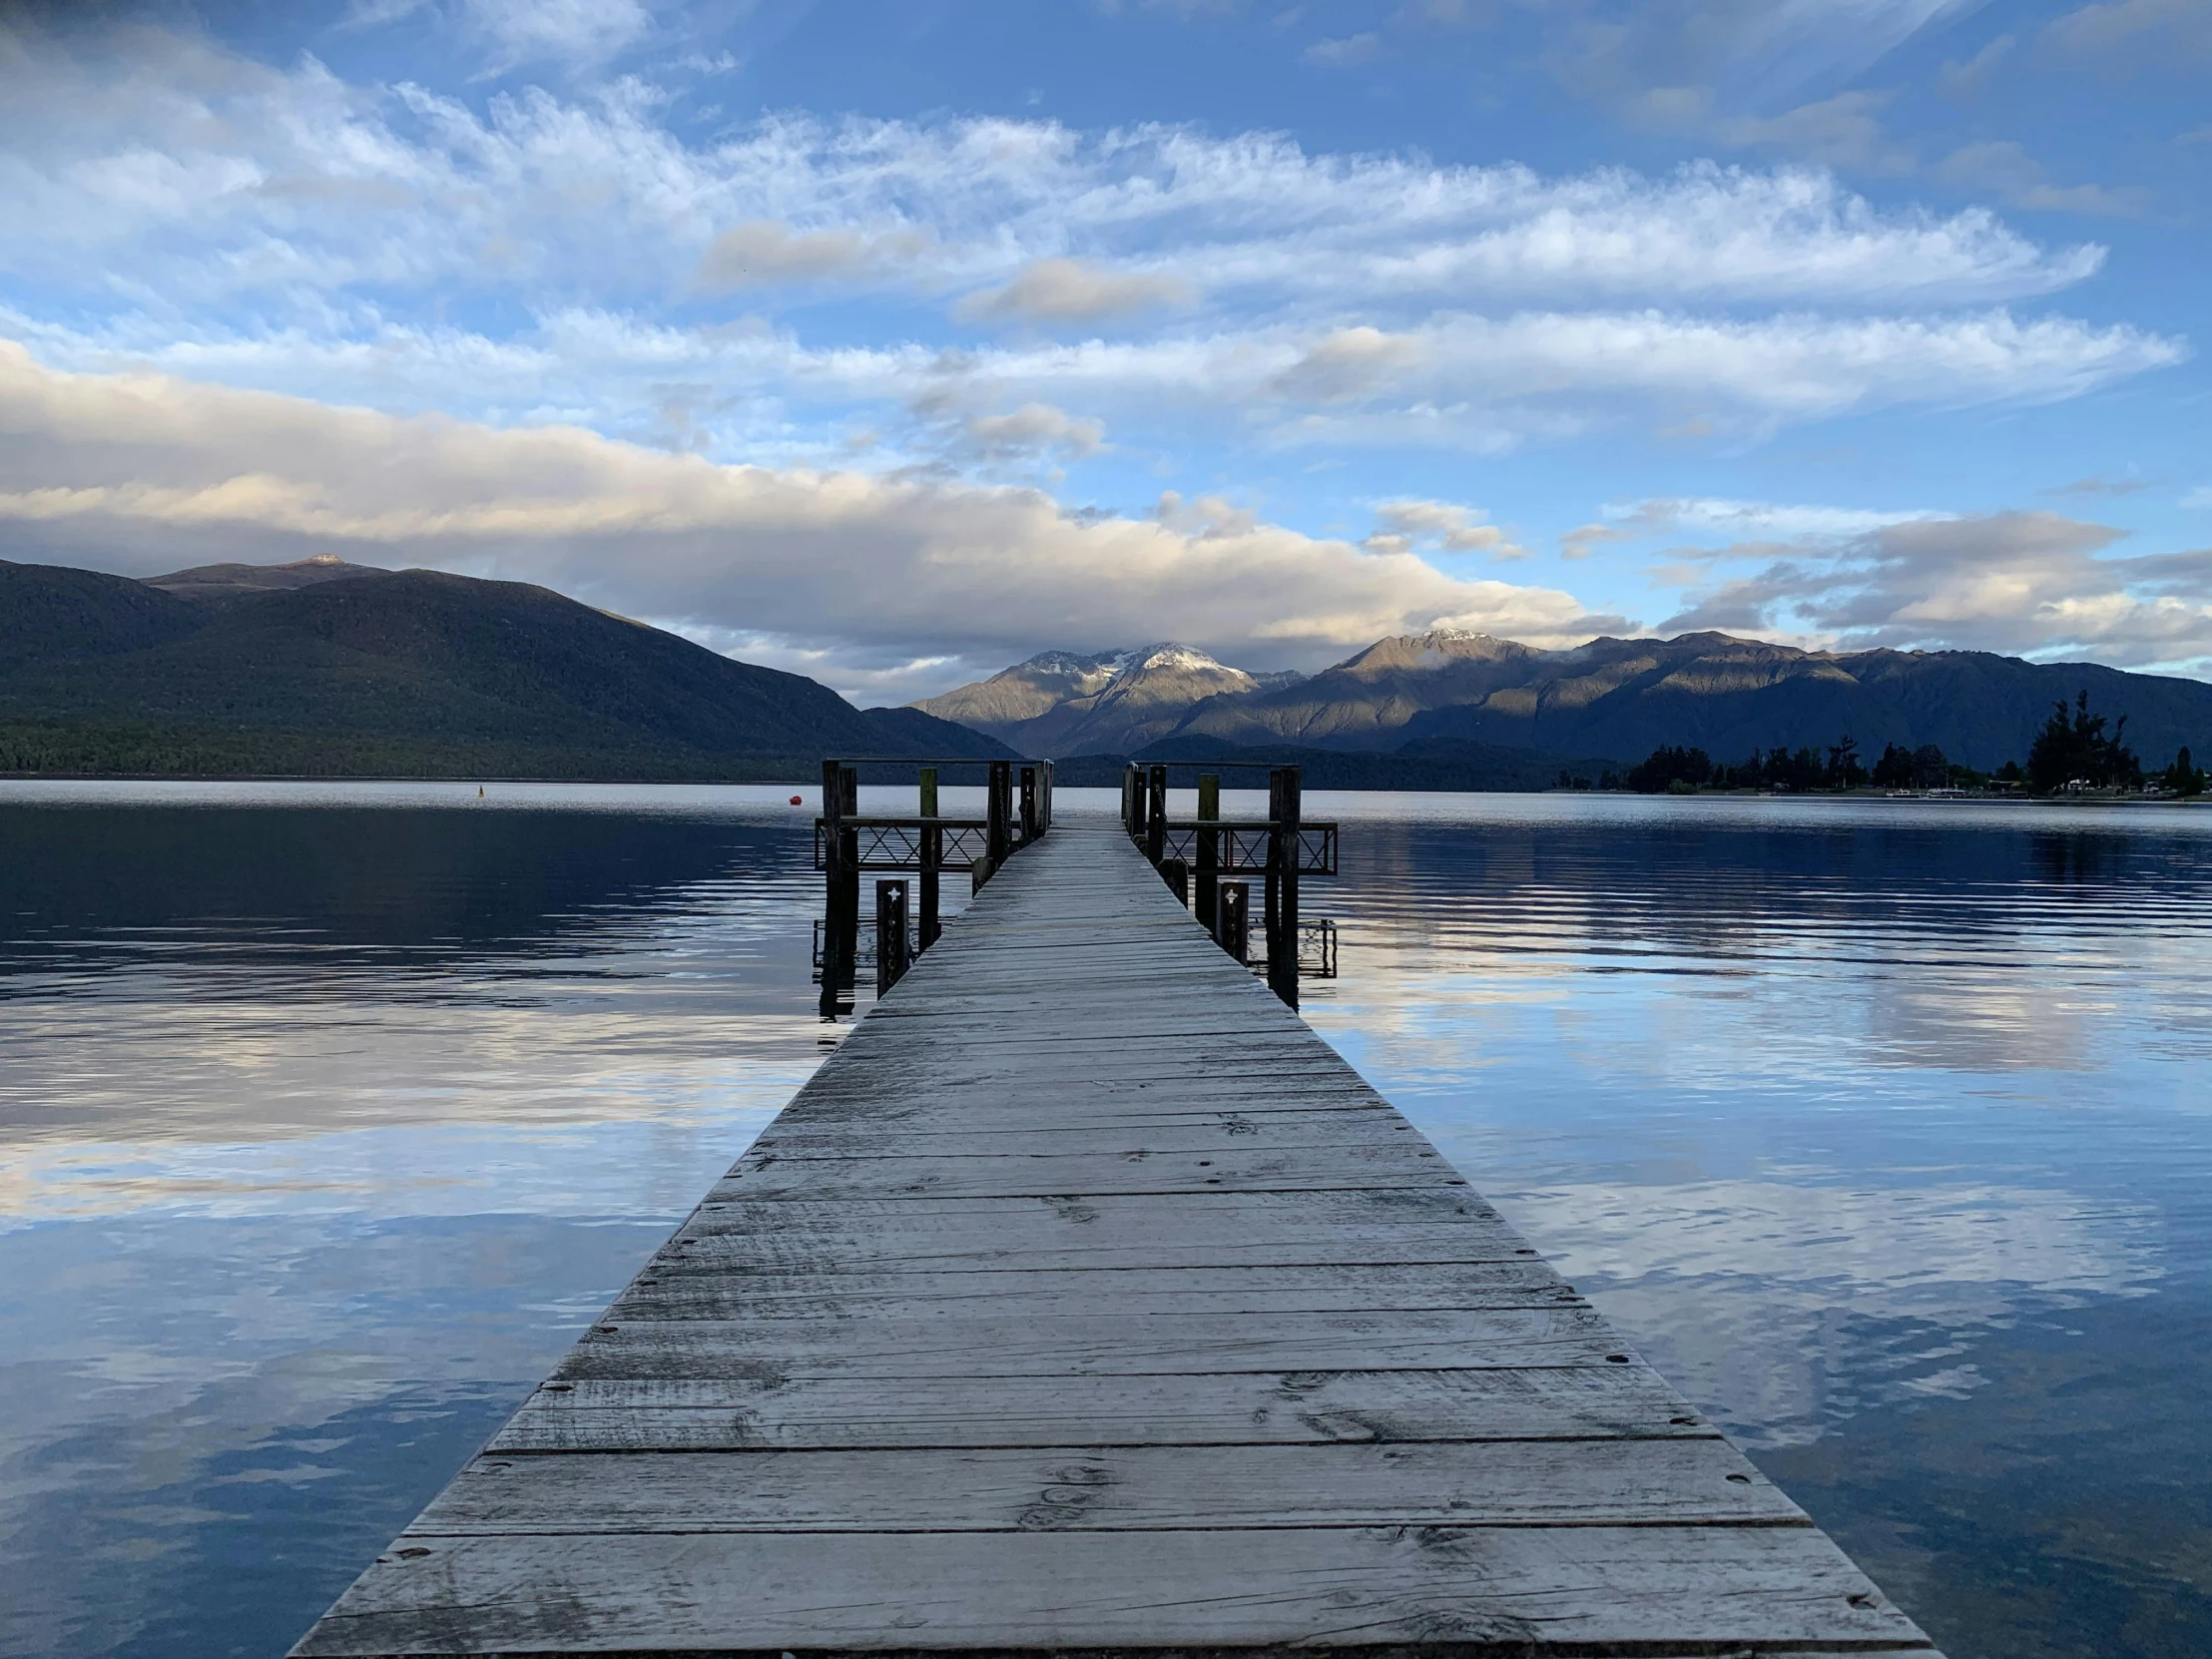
[1086, 1301]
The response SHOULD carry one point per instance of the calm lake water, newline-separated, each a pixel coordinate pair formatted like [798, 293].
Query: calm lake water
[329, 1115]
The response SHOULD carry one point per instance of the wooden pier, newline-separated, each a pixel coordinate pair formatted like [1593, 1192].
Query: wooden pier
[1086, 1301]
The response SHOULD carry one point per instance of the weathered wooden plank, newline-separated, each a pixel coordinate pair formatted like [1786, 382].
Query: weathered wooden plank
[1236, 1409]
[1355, 1168]
[1502, 1590]
[1110, 1343]
[956, 1134]
[1165, 1292]
[1276, 1215]
[1606, 1482]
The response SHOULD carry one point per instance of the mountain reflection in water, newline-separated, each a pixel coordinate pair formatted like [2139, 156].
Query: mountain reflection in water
[329, 1114]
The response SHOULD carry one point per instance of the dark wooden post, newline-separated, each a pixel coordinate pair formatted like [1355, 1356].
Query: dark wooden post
[841, 886]
[1032, 828]
[1177, 875]
[1284, 805]
[1232, 918]
[1156, 817]
[932, 858]
[890, 934]
[1048, 795]
[998, 833]
[1132, 800]
[1207, 872]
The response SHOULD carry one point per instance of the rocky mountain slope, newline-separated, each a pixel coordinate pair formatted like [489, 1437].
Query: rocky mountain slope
[1626, 698]
[294, 670]
[1113, 703]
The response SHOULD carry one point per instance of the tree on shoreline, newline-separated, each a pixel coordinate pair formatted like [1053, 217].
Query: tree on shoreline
[2184, 777]
[2072, 748]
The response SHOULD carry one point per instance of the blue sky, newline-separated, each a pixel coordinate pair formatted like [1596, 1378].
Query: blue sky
[894, 341]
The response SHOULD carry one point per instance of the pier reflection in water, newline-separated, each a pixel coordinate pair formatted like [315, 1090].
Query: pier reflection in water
[329, 1114]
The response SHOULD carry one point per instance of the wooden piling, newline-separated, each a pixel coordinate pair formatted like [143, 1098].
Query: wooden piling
[1177, 874]
[1031, 825]
[998, 837]
[1155, 816]
[1232, 918]
[1284, 811]
[932, 857]
[841, 909]
[1206, 870]
[890, 934]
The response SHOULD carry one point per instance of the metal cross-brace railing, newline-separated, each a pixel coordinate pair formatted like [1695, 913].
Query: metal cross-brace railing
[1242, 848]
[1018, 809]
[1196, 856]
[899, 843]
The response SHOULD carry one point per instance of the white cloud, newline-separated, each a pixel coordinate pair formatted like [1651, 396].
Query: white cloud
[1034, 427]
[190, 176]
[761, 252]
[1584, 540]
[1072, 290]
[567, 31]
[2024, 583]
[1455, 382]
[1755, 518]
[860, 568]
[1452, 528]
[1347, 53]
[2201, 496]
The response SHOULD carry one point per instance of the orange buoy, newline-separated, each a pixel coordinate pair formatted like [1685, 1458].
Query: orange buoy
[796, 802]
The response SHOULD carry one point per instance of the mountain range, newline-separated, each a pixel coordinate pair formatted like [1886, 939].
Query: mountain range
[1432, 695]
[327, 668]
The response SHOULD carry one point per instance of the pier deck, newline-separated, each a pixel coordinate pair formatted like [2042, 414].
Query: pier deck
[1085, 1299]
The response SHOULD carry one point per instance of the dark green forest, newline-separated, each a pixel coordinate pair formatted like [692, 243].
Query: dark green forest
[2076, 752]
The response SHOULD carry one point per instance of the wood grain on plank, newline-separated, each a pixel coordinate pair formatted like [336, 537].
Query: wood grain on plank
[1605, 1482]
[1239, 1409]
[1502, 1589]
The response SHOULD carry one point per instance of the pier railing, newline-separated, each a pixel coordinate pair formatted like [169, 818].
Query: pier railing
[1196, 856]
[1017, 811]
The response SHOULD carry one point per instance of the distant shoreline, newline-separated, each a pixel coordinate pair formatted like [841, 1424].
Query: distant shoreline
[797, 782]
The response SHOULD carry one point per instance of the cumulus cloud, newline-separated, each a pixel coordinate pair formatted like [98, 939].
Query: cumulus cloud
[2025, 583]
[1584, 540]
[1406, 524]
[1072, 290]
[1348, 364]
[1034, 427]
[761, 252]
[145, 471]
